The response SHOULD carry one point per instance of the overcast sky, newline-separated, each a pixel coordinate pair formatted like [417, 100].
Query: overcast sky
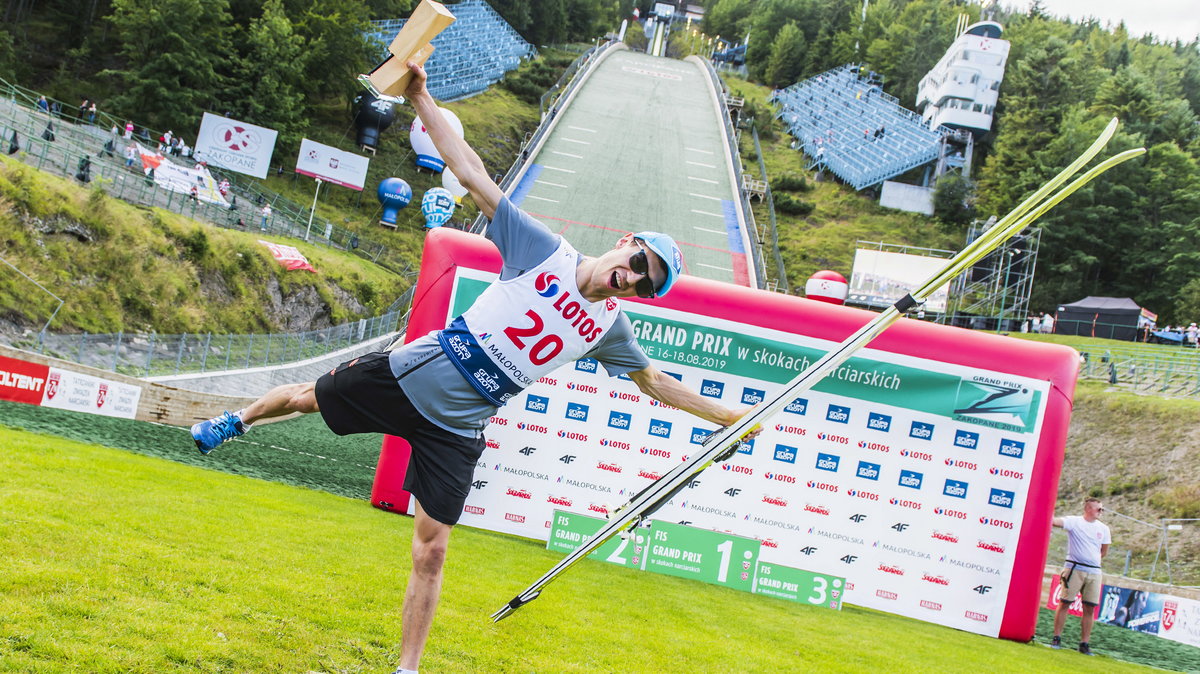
[1167, 19]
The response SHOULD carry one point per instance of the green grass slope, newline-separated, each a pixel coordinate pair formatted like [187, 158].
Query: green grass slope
[115, 562]
[119, 267]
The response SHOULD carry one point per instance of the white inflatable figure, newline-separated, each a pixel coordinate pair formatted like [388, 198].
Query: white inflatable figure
[427, 155]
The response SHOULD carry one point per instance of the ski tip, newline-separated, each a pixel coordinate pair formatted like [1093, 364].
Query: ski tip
[511, 607]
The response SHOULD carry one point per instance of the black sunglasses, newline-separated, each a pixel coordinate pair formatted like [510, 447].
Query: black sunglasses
[640, 264]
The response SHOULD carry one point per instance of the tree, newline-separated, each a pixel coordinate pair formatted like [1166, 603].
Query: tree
[337, 50]
[788, 57]
[951, 199]
[177, 59]
[269, 73]
[729, 19]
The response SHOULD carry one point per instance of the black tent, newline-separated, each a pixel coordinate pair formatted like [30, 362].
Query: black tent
[1107, 317]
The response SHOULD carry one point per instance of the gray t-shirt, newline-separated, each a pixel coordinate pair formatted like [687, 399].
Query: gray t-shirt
[439, 391]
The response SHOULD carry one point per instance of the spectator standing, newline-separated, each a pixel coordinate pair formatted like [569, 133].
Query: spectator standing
[223, 188]
[1192, 333]
[92, 113]
[1087, 543]
[266, 216]
[1047, 324]
[1035, 324]
[43, 104]
[128, 129]
[131, 153]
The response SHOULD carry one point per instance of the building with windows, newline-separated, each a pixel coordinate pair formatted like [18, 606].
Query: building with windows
[961, 91]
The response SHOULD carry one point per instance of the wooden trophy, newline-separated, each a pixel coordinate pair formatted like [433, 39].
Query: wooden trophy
[389, 79]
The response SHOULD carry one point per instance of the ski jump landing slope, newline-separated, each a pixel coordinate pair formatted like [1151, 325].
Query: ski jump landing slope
[640, 146]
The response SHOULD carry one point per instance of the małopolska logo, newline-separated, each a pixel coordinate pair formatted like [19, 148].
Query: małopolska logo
[620, 420]
[921, 431]
[753, 396]
[537, 404]
[546, 284]
[712, 389]
[879, 422]
[1012, 448]
[955, 488]
[911, 479]
[838, 413]
[868, 470]
[966, 439]
[577, 411]
[785, 454]
[1002, 498]
[828, 462]
[797, 406]
[660, 428]
[699, 435]
[586, 364]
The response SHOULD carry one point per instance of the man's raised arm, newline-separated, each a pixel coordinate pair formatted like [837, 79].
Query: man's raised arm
[459, 156]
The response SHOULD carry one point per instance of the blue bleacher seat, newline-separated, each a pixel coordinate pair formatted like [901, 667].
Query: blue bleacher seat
[835, 117]
[470, 55]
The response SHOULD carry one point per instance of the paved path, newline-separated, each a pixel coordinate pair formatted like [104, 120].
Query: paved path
[640, 148]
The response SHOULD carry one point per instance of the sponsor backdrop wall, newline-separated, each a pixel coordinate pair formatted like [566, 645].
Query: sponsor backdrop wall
[923, 471]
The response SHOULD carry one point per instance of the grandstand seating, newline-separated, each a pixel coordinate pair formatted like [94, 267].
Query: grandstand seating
[470, 55]
[835, 117]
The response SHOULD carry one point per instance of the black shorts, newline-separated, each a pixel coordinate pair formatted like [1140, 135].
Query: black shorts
[362, 396]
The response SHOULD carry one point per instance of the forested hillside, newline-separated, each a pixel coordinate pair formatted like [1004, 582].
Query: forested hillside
[1136, 233]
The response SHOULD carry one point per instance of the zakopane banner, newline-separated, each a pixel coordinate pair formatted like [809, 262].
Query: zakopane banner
[235, 145]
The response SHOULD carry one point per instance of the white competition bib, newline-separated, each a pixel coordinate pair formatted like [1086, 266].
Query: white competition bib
[522, 329]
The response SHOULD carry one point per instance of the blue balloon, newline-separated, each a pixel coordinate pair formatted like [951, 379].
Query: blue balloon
[437, 206]
[394, 194]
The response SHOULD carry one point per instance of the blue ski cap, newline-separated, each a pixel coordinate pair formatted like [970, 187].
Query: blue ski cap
[667, 250]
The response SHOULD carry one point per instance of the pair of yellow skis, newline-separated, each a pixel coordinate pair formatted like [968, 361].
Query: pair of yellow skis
[721, 444]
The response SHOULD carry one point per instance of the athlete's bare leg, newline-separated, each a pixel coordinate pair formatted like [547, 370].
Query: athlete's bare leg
[281, 401]
[430, 539]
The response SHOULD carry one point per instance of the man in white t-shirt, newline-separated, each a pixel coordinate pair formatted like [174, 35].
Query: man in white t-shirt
[1087, 543]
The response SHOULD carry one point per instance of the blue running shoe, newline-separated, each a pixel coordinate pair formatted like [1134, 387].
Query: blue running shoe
[209, 434]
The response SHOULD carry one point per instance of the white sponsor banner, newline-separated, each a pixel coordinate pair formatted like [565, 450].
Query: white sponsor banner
[332, 165]
[920, 512]
[1180, 620]
[235, 145]
[880, 278]
[84, 393]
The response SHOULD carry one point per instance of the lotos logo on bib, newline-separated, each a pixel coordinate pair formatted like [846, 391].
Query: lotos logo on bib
[546, 284]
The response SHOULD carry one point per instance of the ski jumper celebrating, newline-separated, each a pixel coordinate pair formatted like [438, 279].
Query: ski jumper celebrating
[439, 391]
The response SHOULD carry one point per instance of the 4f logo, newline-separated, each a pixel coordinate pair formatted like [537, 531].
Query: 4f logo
[528, 450]
[858, 517]
[479, 484]
[567, 458]
[900, 526]
[732, 491]
[850, 559]
[808, 550]
[982, 589]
